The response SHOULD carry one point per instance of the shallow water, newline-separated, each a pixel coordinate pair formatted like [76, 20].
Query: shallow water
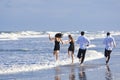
[31, 51]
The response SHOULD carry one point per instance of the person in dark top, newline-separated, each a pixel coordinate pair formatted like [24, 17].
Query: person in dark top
[57, 45]
[71, 47]
[57, 39]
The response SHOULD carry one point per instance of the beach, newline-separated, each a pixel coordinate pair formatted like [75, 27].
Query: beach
[91, 70]
[28, 56]
[28, 40]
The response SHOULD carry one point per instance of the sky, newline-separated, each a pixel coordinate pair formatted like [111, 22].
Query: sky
[59, 15]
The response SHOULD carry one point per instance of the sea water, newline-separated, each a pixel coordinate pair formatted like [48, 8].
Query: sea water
[30, 50]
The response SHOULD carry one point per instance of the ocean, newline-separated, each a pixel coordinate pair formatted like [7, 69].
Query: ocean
[25, 51]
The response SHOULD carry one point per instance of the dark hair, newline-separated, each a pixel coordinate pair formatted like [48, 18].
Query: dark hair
[108, 33]
[71, 38]
[82, 32]
[59, 35]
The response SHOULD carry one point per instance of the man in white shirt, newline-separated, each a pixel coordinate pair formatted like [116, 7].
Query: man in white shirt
[109, 44]
[83, 42]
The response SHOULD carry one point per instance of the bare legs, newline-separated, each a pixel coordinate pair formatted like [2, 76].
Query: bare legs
[72, 55]
[56, 54]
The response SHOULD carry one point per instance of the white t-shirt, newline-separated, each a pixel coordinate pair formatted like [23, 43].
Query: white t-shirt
[83, 42]
[109, 42]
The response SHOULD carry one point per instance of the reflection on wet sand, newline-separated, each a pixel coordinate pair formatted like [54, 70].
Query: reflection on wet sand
[57, 73]
[82, 75]
[108, 74]
[72, 73]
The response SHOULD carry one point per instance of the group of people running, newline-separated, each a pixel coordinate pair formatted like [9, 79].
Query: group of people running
[83, 42]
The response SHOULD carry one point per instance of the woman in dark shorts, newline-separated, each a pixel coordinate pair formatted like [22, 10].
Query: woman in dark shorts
[57, 39]
[71, 47]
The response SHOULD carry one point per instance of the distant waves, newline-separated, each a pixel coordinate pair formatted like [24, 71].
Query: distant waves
[36, 34]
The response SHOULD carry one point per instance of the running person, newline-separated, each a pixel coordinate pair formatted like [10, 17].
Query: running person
[83, 42]
[109, 44]
[57, 39]
[71, 47]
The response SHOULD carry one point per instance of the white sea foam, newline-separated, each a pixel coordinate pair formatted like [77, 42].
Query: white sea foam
[35, 34]
[23, 34]
[24, 63]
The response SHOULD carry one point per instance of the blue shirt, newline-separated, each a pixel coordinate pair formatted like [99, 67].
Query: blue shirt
[109, 42]
[83, 42]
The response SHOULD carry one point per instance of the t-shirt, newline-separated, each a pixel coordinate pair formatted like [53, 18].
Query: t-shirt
[83, 42]
[109, 42]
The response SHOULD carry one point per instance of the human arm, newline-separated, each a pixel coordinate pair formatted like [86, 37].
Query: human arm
[78, 41]
[61, 41]
[114, 43]
[88, 42]
[66, 41]
[51, 39]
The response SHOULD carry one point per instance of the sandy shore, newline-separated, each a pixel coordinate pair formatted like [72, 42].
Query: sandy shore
[91, 70]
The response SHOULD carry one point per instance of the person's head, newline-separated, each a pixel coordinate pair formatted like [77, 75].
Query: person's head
[108, 33]
[59, 35]
[82, 33]
[69, 36]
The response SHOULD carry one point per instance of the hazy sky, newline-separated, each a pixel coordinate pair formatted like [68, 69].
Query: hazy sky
[59, 15]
